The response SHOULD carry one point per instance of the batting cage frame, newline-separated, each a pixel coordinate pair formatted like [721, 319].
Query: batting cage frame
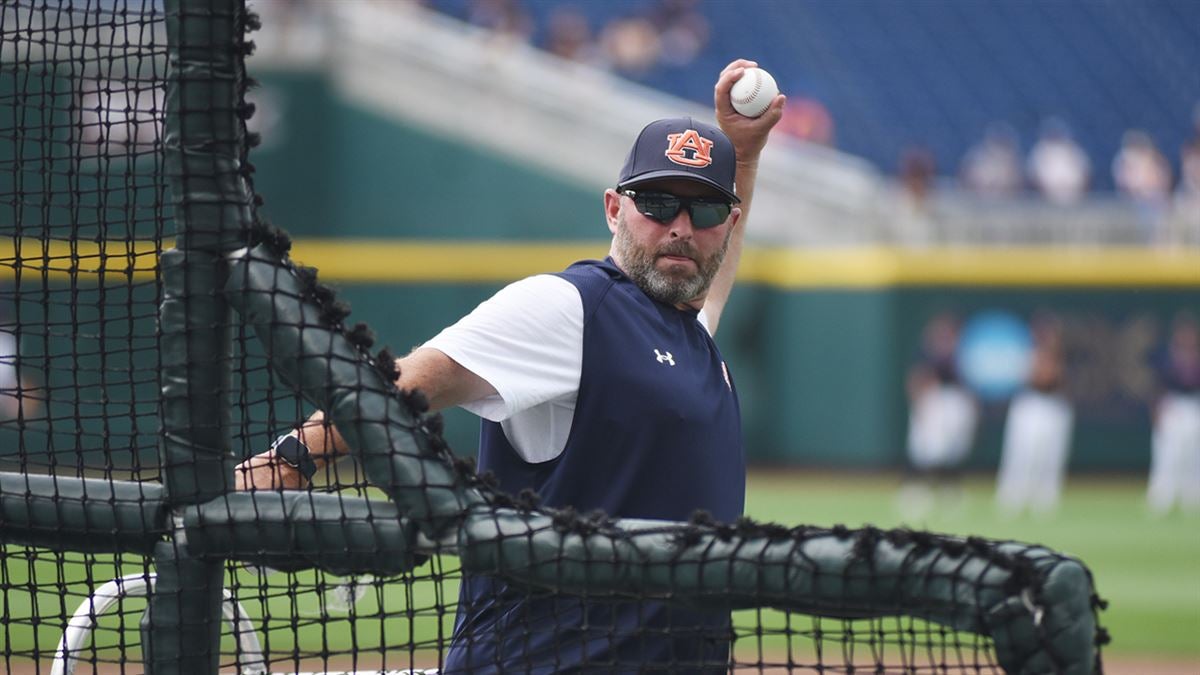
[228, 267]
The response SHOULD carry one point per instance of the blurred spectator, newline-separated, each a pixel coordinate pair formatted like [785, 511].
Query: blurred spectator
[808, 120]
[1037, 431]
[1175, 444]
[917, 172]
[16, 392]
[10, 381]
[298, 28]
[1189, 163]
[1143, 174]
[631, 44]
[506, 19]
[912, 221]
[1058, 167]
[683, 31]
[993, 166]
[1187, 197]
[569, 36]
[941, 424]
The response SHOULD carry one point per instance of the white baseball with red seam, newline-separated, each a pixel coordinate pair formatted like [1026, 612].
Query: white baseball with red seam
[753, 93]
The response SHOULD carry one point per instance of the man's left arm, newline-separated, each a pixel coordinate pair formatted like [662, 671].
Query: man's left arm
[749, 136]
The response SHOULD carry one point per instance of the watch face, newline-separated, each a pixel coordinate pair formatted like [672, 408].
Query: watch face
[287, 448]
[290, 451]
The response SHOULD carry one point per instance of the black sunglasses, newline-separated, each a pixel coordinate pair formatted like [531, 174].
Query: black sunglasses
[705, 212]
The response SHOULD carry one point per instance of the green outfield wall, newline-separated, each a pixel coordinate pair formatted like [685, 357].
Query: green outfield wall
[821, 371]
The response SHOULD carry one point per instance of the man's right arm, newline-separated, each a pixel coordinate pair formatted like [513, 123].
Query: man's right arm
[444, 382]
[527, 340]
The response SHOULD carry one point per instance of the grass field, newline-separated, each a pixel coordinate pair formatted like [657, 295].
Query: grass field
[1149, 570]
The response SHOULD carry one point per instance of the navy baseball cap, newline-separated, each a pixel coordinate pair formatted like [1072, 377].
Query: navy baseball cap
[681, 147]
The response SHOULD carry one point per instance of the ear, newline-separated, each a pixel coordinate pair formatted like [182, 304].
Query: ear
[612, 208]
[734, 216]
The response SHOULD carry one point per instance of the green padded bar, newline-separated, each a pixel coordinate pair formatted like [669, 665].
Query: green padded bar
[328, 371]
[181, 627]
[820, 574]
[197, 465]
[291, 530]
[81, 514]
[204, 137]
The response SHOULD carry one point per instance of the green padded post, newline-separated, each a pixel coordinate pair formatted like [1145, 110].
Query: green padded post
[196, 377]
[204, 150]
[181, 627]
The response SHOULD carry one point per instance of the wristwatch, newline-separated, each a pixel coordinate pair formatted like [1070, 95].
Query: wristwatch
[295, 454]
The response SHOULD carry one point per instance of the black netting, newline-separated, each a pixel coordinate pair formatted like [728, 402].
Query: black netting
[135, 374]
[82, 216]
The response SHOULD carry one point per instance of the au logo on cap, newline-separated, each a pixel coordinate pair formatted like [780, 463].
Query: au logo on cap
[689, 149]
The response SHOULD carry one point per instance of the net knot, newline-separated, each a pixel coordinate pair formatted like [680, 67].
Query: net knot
[385, 363]
[979, 546]
[434, 425]
[488, 480]
[465, 467]
[1022, 573]
[702, 518]
[564, 519]
[527, 500]
[747, 527]
[865, 542]
[335, 312]
[361, 336]
[274, 238]
[686, 537]
[954, 548]
[417, 401]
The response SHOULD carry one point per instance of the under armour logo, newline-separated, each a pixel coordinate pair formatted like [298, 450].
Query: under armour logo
[664, 358]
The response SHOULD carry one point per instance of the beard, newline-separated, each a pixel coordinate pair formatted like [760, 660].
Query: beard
[671, 288]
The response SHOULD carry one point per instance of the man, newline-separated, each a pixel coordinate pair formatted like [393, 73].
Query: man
[601, 388]
[1038, 428]
[941, 423]
[1175, 441]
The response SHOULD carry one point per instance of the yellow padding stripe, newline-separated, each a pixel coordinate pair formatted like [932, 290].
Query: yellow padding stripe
[877, 267]
[111, 261]
[384, 261]
[406, 261]
[863, 267]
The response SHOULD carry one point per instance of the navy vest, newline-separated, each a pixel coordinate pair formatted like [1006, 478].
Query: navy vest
[656, 434]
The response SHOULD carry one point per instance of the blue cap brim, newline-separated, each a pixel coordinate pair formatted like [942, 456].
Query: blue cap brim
[678, 174]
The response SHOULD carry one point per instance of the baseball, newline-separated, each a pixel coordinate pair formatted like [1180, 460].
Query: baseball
[752, 95]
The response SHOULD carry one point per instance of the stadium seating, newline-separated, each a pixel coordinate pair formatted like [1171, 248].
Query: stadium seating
[936, 74]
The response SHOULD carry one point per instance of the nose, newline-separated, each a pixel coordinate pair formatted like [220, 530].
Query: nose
[681, 225]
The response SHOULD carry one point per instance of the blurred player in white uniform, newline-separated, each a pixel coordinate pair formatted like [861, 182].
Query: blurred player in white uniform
[16, 392]
[942, 418]
[1037, 431]
[1175, 444]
